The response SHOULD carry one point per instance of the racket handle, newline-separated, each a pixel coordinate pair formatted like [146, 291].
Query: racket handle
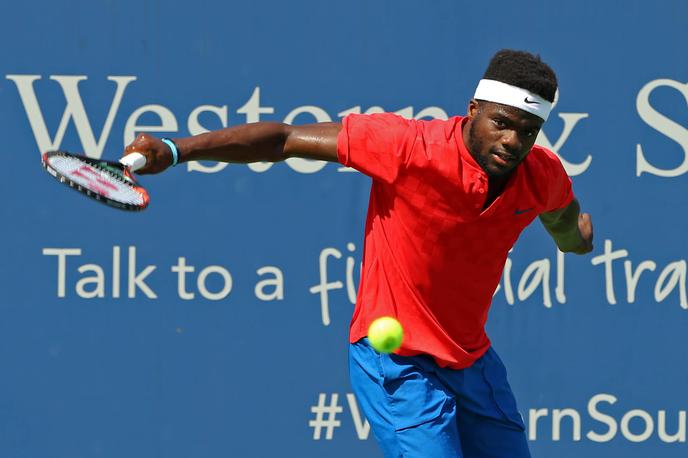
[133, 161]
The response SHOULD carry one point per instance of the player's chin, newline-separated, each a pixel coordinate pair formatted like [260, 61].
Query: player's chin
[497, 170]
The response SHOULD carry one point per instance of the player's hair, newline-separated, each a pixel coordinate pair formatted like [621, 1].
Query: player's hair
[525, 70]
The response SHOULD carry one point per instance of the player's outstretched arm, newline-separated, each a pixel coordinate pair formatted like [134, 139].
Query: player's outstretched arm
[570, 229]
[262, 141]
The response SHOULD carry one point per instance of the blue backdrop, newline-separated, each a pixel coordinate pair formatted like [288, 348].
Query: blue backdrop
[214, 324]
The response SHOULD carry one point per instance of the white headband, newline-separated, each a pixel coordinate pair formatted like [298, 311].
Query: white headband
[506, 94]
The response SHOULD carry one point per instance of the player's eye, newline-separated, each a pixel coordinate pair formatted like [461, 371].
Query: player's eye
[499, 123]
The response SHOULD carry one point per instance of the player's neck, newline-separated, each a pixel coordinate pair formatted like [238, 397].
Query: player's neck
[495, 187]
[499, 182]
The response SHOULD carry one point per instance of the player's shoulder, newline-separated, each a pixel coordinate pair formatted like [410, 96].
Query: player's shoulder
[439, 129]
[376, 124]
[398, 118]
[434, 129]
[544, 166]
[378, 118]
[542, 157]
[542, 154]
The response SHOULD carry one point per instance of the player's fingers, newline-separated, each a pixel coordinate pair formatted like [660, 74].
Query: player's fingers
[585, 228]
[137, 145]
[591, 228]
[584, 221]
[158, 154]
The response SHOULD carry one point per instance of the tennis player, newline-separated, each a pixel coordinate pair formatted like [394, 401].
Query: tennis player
[448, 200]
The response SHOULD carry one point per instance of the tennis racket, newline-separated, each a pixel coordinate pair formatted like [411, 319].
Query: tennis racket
[105, 181]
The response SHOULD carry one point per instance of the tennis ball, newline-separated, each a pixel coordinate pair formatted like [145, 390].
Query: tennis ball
[385, 334]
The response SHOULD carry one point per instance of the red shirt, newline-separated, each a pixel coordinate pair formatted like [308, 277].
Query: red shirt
[432, 256]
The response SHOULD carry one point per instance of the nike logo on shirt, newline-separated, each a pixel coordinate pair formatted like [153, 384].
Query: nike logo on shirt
[520, 212]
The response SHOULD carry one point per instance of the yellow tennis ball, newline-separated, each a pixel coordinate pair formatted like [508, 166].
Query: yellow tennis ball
[385, 334]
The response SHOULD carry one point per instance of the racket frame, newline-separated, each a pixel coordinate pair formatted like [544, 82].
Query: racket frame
[103, 165]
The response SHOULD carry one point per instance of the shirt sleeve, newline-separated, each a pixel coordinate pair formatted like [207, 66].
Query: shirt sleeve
[378, 145]
[560, 192]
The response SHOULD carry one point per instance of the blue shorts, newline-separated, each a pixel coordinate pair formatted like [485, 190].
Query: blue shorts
[417, 409]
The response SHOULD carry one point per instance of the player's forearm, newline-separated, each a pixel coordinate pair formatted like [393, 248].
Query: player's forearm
[564, 228]
[263, 141]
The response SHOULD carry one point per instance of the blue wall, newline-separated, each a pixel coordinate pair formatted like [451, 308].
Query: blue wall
[146, 371]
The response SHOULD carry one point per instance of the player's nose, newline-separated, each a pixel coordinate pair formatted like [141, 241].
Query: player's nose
[511, 142]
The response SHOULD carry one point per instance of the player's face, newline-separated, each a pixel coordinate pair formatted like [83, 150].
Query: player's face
[500, 136]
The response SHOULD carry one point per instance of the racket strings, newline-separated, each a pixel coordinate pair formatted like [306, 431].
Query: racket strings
[100, 179]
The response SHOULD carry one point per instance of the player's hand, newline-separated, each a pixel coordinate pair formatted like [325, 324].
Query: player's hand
[157, 153]
[585, 229]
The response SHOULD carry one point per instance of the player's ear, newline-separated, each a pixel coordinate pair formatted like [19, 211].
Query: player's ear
[472, 108]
